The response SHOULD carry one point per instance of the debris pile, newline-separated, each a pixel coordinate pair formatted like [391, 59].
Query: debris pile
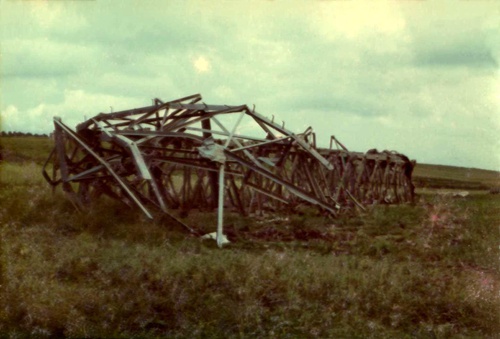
[185, 154]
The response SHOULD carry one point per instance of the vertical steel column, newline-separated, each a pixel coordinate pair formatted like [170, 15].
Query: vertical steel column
[220, 210]
[212, 176]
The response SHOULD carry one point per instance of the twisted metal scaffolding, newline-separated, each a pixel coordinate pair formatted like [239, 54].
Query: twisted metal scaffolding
[185, 154]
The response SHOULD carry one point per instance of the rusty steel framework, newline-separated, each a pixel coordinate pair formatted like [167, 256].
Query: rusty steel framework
[185, 154]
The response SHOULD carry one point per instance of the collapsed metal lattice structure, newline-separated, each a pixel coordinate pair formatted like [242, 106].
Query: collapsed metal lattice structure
[185, 154]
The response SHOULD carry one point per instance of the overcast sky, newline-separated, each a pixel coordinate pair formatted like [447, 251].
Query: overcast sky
[419, 77]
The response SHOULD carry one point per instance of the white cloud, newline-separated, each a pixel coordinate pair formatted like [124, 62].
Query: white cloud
[75, 107]
[9, 118]
[355, 20]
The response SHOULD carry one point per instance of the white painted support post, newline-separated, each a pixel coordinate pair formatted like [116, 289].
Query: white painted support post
[220, 211]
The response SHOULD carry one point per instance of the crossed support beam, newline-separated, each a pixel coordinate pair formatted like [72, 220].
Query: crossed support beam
[185, 154]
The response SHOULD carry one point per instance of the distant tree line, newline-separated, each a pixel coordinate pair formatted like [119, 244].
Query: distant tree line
[22, 134]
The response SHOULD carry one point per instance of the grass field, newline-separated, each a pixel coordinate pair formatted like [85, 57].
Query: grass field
[448, 177]
[424, 271]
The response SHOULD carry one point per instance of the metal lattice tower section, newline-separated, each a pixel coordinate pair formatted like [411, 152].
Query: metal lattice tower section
[184, 154]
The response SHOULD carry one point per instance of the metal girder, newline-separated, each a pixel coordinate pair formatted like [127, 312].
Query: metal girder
[183, 154]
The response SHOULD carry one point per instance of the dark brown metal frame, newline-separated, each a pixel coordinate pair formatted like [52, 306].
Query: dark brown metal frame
[179, 155]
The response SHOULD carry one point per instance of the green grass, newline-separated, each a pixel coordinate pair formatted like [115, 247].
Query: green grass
[29, 149]
[438, 176]
[424, 271]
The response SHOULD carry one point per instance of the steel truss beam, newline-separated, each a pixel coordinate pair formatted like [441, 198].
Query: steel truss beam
[177, 154]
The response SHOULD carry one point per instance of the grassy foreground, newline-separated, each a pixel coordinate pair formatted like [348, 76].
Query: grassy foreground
[424, 271]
